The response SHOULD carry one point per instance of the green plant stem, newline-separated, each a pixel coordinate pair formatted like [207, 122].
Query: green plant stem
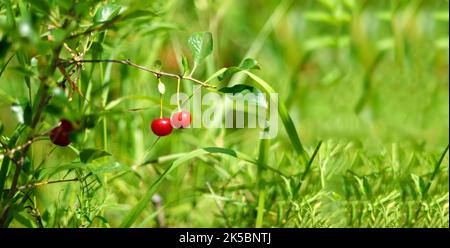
[34, 185]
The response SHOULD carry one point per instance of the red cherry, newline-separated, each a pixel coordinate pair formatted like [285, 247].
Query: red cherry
[181, 119]
[66, 125]
[60, 135]
[161, 126]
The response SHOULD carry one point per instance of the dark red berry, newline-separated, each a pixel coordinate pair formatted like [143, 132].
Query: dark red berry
[161, 126]
[60, 135]
[66, 125]
[181, 119]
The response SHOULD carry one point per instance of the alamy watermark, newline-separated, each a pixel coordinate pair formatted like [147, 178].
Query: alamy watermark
[227, 110]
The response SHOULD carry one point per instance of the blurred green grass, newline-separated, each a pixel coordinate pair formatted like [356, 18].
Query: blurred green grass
[369, 78]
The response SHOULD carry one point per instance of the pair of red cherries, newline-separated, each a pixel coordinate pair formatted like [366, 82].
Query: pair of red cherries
[163, 126]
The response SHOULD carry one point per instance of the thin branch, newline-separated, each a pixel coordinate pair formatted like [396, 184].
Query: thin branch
[35, 185]
[95, 28]
[129, 63]
[9, 152]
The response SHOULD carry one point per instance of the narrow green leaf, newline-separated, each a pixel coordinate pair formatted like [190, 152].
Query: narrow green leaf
[109, 168]
[249, 63]
[185, 63]
[90, 154]
[285, 118]
[229, 72]
[246, 64]
[435, 172]
[238, 88]
[216, 74]
[22, 219]
[6, 63]
[119, 100]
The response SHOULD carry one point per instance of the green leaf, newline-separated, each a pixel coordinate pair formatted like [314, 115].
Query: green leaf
[118, 101]
[246, 64]
[90, 154]
[201, 45]
[22, 219]
[437, 167]
[106, 13]
[157, 65]
[417, 183]
[249, 63]
[229, 72]
[238, 88]
[185, 63]
[5, 64]
[216, 74]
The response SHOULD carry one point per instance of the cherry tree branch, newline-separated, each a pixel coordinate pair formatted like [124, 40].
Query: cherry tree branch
[129, 63]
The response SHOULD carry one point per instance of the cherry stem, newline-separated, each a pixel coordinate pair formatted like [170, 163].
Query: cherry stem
[178, 93]
[160, 105]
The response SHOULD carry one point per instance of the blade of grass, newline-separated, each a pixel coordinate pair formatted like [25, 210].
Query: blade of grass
[427, 187]
[285, 118]
[6, 64]
[299, 185]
